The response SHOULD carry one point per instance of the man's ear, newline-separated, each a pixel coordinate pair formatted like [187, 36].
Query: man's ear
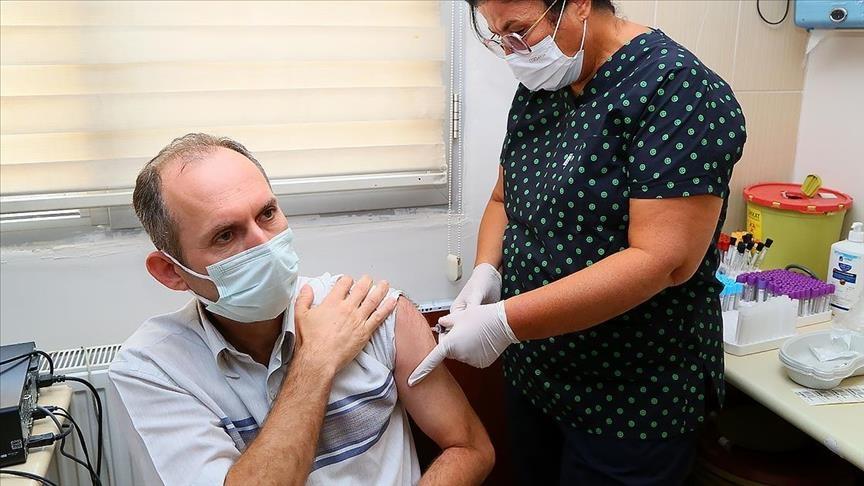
[164, 270]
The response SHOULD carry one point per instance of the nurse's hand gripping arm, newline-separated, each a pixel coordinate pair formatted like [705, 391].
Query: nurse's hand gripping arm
[328, 337]
[467, 455]
[484, 286]
[478, 342]
[668, 239]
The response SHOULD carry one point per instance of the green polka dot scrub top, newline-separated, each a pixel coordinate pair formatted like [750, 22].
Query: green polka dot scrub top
[653, 123]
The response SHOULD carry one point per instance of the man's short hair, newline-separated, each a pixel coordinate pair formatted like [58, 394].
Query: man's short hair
[147, 198]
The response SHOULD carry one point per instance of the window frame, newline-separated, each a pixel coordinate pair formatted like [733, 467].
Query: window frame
[72, 212]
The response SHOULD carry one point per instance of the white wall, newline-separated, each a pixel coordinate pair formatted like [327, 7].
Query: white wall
[831, 132]
[93, 289]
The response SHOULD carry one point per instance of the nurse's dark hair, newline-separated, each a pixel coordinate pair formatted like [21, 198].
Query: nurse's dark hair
[553, 5]
[147, 198]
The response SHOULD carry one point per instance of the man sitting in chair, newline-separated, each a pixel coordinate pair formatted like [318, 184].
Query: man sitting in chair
[267, 377]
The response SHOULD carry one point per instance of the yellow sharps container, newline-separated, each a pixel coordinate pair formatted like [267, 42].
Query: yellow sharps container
[803, 228]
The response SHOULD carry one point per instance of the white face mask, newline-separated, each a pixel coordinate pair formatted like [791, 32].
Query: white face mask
[546, 67]
[255, 284]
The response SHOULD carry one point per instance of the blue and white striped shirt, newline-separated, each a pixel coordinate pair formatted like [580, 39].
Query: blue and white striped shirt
[194, 403]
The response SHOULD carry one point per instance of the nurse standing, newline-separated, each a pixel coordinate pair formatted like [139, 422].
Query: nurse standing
[613, 185]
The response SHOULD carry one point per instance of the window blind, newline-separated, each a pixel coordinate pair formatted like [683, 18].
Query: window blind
[347, 91]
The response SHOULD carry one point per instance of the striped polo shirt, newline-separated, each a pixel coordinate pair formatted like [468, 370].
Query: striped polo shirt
[194, 403]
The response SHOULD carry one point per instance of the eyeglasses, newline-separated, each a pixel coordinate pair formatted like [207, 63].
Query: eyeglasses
[514, 42]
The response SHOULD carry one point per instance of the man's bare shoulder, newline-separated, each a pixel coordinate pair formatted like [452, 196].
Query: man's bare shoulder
[414, 340]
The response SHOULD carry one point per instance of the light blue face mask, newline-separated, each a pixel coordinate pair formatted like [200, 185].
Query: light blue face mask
[255, 284]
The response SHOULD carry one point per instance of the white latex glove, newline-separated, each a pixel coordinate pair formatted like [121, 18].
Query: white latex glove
[484, 287]
[477, 337]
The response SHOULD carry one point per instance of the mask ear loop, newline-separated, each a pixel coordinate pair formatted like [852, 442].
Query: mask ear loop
[561, 16]
[205, 300]
[584, 33]
[188, 270]
[584, 27]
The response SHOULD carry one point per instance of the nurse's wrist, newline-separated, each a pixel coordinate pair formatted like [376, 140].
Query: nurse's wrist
[487, 266]
[508, 307]
[491, 260]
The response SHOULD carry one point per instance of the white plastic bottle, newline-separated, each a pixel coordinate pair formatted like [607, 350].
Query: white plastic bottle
[846, 270]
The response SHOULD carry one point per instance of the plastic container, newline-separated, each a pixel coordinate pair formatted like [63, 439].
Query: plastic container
[759, 326]
[846, 270]
[803, 228]
[806, 370]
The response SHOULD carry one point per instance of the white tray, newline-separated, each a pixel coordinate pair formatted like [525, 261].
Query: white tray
[814, 319]
[730, 319]
[806, 370]
[745, 349]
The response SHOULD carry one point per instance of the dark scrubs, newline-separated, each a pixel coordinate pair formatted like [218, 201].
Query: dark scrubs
[652, 123]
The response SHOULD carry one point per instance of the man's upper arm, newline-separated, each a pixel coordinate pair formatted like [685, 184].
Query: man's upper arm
[184, 441]
[437, 404]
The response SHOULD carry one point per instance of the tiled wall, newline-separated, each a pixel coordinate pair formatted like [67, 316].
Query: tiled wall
[763, 63]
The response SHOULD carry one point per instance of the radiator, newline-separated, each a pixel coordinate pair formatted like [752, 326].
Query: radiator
[90, 364]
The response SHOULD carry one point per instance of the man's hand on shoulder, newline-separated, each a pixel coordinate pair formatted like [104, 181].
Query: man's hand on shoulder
[329, 336]
[332, 334]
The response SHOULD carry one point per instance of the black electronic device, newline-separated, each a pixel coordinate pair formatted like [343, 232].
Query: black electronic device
[18, 395]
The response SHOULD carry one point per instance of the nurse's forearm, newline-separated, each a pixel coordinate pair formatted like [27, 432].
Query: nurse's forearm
[590, 296]
[283, 451]
[628, 278]
[491, 234]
